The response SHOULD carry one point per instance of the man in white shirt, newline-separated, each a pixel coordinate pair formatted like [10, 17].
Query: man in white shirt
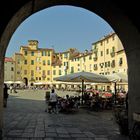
[53, 100]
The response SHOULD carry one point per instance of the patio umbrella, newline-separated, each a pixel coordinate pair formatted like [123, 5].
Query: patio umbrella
[83, 77]
[18, 82]
[106, 95]
[8, 82]
[118, 77]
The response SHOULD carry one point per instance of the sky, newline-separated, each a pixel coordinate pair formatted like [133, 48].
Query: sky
[60, 28]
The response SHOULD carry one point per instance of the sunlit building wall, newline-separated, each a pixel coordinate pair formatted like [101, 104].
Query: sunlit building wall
[38, 65]
[9, 70]
[108, 51]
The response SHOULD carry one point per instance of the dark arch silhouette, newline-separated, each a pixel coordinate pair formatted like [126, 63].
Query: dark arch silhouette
[125, 23]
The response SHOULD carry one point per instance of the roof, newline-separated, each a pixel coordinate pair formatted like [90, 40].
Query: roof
[104, 38]
[8, 59]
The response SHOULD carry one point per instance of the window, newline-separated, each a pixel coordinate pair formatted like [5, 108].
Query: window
[113, 37]
[101, 43]
[44, 53]
[107, 40]
[43, 72]
[120, 61]
[108, 63]
[32, 62]
[113, 63]
[95, 66]
[44, 62]
[12, 69]
[113, 49]
[48, 72]
[54, 72]
[65, 55]
[84, 59]
[18, 61]
[32, 73]
[18, 72]
[49, 53]
[60, 72]
[65, 63]
[90, 57]
[72, 69]
[107, 51]
[25, 62]
[25, 53]
[101, 53]
[32, 53]
[48, 62]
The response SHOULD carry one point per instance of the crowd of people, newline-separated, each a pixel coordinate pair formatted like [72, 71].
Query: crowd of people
[93, 101]
[57, 104]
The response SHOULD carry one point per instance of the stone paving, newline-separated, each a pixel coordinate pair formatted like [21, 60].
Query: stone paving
[25, 119]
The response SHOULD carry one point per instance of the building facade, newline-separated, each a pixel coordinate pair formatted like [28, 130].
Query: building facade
[38, 65]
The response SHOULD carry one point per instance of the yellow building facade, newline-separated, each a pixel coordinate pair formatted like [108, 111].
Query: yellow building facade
[34, 63]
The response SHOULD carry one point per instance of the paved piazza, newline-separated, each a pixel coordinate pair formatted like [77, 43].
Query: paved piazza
[25, 119]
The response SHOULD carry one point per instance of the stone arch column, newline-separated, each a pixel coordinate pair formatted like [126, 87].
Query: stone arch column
[122, 25]
[1, 89]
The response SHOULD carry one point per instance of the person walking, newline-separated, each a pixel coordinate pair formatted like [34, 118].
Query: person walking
[5, 96]
[53, 101]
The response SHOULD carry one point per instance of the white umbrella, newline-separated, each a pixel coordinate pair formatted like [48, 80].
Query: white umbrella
[8, 82]
[118, 77]
[18, 82]
[83, 77]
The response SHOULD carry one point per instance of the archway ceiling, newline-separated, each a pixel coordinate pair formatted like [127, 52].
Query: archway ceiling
[130, 8]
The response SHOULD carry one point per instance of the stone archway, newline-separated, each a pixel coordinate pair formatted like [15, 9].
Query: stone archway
[123, 26]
